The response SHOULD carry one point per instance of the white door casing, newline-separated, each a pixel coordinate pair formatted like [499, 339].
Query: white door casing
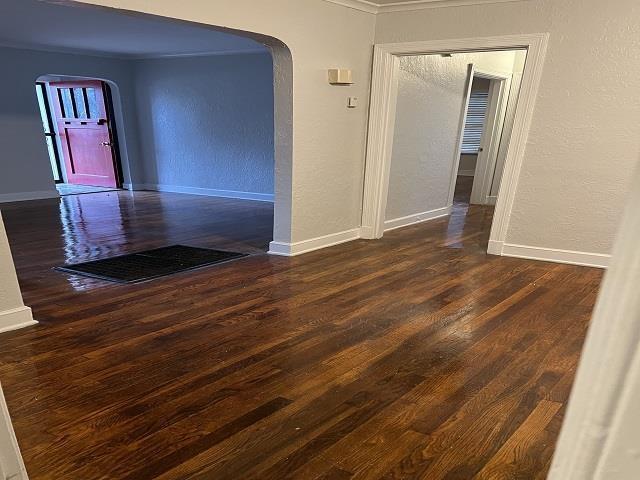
[384, 91]
[491, 136]
[11, 464]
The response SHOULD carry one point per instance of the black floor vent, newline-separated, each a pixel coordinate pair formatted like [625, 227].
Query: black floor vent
[141, 266]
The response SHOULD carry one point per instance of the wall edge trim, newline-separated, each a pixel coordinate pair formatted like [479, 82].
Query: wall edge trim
[208, 192]
[26, 196]
[15, 319]
[415, 218]
[305, 246]
[570, 257]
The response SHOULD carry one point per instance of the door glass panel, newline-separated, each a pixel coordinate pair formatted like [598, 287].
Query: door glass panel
[81, 107]
[53, 159]
[93, 103]
[66, 102]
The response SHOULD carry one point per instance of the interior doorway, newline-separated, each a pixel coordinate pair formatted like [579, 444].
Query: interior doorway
[449, 105]
[80, 133]
[384, 123]
[488, 99]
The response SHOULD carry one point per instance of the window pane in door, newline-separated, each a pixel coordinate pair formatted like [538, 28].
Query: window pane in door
[81, 107]
[92, 103]
[66, 102]
[474, 125]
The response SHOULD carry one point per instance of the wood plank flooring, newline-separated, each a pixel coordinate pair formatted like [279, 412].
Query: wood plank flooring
[415, 356]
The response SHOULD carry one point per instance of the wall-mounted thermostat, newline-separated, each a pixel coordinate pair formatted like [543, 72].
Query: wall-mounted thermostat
[340, 76]
[352, 102]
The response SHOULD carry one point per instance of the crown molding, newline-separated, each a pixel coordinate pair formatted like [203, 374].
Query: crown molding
[362, 5]
[49, 49]
[373, 8]
[213, 53]
[124, 56]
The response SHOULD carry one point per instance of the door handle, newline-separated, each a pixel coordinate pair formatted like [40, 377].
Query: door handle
[106, 144]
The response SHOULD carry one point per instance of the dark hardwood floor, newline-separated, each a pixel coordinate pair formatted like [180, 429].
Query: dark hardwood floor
[415, 356]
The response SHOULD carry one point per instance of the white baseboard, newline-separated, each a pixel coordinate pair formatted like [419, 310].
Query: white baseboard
[466, 173]
[305, 246]
[209, 192]
[571, 257]
[416, 218]
[15, 319]
[367, 232]
[23, 196]
[495, 247]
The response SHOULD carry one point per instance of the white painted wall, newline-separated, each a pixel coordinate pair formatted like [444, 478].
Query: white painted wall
[585, 135]
[206, 122]
[25, 162]
[431, 95]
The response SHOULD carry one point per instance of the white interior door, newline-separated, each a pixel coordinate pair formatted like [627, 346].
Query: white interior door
[491, 136]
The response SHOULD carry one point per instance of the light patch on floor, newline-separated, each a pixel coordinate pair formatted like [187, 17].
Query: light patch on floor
[68, 189]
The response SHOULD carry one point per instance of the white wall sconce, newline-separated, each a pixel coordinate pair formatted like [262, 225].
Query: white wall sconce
[340, 76]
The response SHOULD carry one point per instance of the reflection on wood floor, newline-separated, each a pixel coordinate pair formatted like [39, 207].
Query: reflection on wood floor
[415, 356]
[69, 189]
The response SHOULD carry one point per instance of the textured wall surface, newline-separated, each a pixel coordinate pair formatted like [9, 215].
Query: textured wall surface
[585, 136]
[431, 95]
[204, 122]
[207, 121]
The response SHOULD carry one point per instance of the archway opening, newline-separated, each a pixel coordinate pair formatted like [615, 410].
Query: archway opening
[201, 136]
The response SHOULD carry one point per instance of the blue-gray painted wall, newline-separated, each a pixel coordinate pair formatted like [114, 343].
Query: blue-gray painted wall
[207, 122]
[200, 122]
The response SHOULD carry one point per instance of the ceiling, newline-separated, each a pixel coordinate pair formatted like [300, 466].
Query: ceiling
[386, 2]
[385, 6]
[35, 24]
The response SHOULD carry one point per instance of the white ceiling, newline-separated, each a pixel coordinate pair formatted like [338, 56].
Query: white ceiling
[386, 2]
[35, 24]
[386, 6]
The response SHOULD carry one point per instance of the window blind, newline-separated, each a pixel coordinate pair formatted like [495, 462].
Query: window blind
[474, 123]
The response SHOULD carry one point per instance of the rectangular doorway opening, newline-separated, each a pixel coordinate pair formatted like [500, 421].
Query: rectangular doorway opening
[81, 138]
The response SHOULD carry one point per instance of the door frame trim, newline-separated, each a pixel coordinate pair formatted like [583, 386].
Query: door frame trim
[44, 89]
[384, 90]
[11, 462]
[113, 132]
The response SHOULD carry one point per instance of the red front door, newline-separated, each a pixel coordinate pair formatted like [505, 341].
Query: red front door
[83, 125]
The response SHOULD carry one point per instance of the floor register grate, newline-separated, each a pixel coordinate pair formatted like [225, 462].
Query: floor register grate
[150, 264]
